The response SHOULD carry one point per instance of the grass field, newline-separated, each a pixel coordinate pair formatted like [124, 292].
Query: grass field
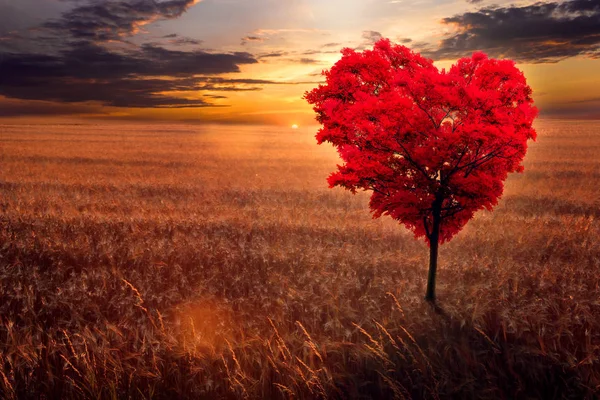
[180, 261]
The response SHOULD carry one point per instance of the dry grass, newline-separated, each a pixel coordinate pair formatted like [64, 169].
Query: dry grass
[212, 262]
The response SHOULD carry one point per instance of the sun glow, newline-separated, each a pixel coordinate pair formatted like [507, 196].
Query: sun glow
[295, 126]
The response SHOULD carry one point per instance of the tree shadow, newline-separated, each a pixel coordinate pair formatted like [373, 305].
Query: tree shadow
[487, 361]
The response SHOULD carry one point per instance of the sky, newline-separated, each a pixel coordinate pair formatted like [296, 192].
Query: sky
[251, 61]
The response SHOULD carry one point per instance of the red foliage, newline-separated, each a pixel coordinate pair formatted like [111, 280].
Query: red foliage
[422, 139]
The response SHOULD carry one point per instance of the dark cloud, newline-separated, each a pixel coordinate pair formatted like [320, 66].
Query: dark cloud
[332, 45]
[541, 32]
[218, 81]
[252, 39]
[10, 107]
[104, 20]
[586, 101]
[116, 93]
[274, 54]
[89, 72]
[83, 59]
[575, 109]
[160, 61]
[86, 60]
[74, 62]
[10, 18]
[370, 37]
[308, 61]
[183, 41]
[18, 15]
[178, 40]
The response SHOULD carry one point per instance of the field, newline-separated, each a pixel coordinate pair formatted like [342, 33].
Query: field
[185, 261]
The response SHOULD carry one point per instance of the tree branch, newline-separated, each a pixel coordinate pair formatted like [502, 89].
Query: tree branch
[408, 158]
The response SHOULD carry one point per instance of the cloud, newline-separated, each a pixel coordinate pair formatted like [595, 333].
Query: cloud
[274, 54]
[262, 35]
[178, 40]
[75, 61]
[87, 60]
[150, 76]
[84, 59]
[586, 101]
[268, 32]
[139, 78]
[252, 39]
[370, 37]
[11, 107]
[308, 61]
[10, 18]
[106, 20]
[537, 33]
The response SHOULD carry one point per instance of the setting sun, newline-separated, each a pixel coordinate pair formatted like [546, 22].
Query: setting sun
[295, 126]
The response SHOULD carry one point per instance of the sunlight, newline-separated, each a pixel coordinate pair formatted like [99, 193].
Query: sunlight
[204, 326]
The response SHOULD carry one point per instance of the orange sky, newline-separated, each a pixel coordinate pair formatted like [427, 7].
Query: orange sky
[244, 61]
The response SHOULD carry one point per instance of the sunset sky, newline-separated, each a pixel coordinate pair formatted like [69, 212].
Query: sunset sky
[250, 61]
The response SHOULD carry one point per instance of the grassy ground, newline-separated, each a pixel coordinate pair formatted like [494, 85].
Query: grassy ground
[213, 262]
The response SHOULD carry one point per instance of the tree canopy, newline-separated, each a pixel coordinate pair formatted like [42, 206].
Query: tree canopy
[428, 143]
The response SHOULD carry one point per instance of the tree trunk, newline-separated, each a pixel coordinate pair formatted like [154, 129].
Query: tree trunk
[434, 242]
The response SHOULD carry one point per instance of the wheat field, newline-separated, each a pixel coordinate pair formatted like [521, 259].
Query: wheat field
[189, 261]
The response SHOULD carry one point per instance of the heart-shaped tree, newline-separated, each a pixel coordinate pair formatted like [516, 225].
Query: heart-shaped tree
[433, 146]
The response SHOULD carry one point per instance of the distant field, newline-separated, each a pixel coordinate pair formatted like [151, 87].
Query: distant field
[182, 261]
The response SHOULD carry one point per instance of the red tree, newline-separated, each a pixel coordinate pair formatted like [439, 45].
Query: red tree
[433, 146]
